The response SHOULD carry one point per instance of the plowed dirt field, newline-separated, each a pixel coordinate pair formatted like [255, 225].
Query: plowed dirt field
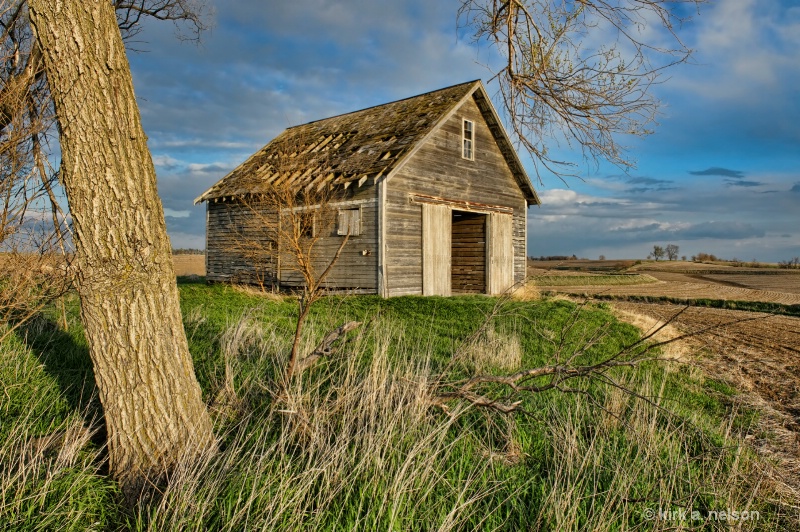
[687, 286]
[189, 264]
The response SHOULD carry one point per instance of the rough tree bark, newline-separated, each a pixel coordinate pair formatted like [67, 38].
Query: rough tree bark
[153, 407]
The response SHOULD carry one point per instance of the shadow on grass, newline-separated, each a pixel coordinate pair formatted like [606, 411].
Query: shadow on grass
[191, 279]
[66, 360]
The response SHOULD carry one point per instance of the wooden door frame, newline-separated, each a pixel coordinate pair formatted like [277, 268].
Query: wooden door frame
[499, 242]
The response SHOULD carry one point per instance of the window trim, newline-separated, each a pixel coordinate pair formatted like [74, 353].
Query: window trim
[465, 140]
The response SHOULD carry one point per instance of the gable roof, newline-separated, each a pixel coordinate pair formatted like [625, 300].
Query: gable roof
[362, 146]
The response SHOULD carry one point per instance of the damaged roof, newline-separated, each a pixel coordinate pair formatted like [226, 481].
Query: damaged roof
[360, 147]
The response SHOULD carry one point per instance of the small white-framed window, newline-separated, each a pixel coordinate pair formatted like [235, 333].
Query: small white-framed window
[468, 139]
[349, 222]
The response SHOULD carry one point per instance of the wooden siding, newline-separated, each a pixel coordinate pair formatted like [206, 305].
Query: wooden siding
[436, 250]
[500, 275]
[437, 169]
[230, 232]
[225, 234]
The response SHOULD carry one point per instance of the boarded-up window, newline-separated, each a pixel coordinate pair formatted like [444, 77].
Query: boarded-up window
[349, 222]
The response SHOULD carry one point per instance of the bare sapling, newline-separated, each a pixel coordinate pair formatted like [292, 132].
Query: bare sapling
[285, 221]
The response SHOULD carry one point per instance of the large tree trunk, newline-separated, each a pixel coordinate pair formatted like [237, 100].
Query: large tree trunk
[154, 412]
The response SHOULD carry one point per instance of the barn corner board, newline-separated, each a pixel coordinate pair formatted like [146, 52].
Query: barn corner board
[428, 191]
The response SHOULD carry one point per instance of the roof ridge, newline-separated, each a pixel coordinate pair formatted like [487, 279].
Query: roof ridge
[386, 103]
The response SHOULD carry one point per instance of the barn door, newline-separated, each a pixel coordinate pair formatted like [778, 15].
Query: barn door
[468, 255]
[499, 254]
[436, 235]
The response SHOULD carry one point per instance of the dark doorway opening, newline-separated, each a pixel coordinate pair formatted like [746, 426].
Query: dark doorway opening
[468, 254]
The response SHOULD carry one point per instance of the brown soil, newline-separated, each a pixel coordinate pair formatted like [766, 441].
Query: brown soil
[782, 282]
[686, 280]
[189, 264]
[686, 286]
[581, 264]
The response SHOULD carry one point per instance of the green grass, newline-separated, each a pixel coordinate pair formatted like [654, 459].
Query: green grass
[49, 474]
[356, 443]
[594, 280]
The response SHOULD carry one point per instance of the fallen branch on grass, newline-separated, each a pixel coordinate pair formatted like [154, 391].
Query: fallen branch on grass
[325, 347]
[504, 393]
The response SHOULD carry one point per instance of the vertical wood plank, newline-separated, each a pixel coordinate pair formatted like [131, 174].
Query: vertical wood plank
[499, 254]
[382, 274]
[205, 258]
[468, 256]
[436, 242]
[525, 242]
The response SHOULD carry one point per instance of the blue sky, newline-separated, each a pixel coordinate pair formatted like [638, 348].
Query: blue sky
[721, 173]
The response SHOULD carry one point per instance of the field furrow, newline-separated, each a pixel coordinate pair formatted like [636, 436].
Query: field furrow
[683, 290]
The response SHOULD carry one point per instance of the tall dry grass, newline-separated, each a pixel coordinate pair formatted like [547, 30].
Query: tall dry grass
[356, 445]
[357, 449]
[648, 461]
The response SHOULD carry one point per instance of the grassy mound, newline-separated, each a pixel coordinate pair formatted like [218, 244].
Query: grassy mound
[355, 442]
[594, 280]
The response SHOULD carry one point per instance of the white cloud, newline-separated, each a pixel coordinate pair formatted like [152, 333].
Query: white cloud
[176, 214]
[742, 46]
[166, 162]
[215, 167]
[557, 197]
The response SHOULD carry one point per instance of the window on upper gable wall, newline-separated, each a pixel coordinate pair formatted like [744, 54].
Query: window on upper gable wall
[468, 140]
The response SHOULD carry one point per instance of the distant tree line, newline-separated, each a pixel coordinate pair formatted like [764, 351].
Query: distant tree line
[705, 257]
[187, 251]
[735, 261]
[659, 252]
[790, 264]
[554, 257]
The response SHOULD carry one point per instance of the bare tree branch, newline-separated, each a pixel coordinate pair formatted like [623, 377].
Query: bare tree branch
[554, 84]
[193, 15]
[325, 347]
[505, 393]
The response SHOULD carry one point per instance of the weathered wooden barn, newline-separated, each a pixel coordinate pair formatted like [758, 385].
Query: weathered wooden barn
[432, 194]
